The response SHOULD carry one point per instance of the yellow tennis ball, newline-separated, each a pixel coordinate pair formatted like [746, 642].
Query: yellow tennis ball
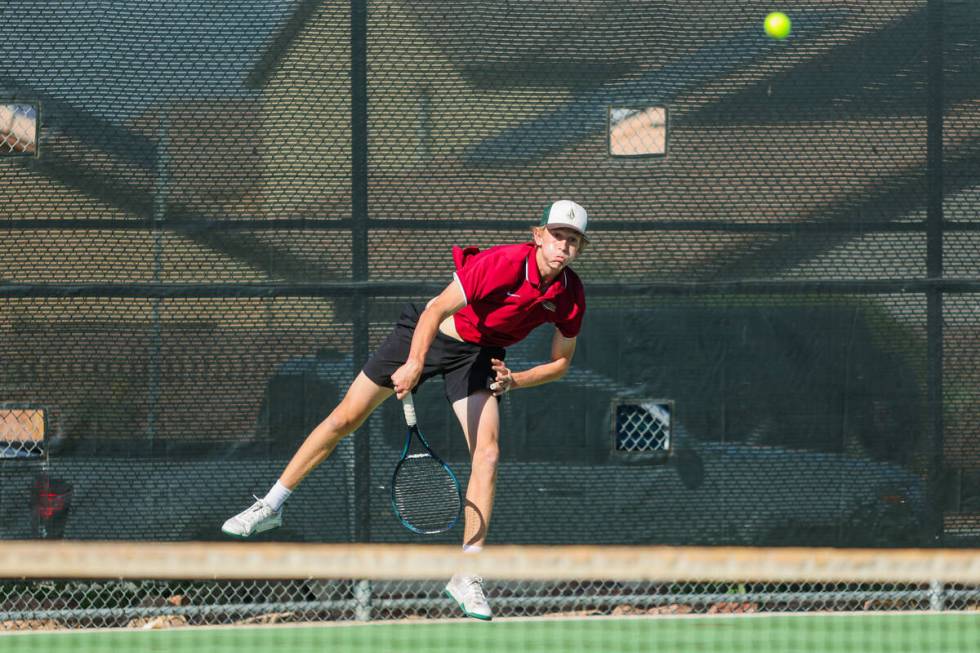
[778, 25]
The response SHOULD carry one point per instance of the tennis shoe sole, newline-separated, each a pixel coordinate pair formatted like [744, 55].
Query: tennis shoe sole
[242, 536]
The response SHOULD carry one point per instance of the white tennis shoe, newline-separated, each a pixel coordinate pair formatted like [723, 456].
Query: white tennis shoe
[259, 517]
[467, 591]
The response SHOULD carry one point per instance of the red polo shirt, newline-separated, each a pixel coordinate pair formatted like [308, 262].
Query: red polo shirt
[504, 300]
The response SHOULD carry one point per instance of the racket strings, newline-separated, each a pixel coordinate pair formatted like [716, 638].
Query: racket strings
[425, 494]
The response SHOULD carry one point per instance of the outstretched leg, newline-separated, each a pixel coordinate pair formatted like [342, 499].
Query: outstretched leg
[363, 396]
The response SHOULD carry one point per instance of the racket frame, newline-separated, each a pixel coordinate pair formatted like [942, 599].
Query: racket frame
[408, 406]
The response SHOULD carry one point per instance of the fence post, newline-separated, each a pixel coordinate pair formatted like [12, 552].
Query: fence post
[934, 262]
[359, 253]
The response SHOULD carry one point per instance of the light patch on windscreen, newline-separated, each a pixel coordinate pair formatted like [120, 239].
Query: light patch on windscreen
[18, 128]
[637, 131]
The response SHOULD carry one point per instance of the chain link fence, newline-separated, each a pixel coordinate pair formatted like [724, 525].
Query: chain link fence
[157, 604]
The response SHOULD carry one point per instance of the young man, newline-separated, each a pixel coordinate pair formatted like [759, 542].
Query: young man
[495, 299]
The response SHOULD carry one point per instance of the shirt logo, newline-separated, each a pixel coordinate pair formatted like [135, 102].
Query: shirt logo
[548, 306]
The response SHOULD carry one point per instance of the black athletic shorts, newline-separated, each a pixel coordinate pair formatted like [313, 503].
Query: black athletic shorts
[465, 367]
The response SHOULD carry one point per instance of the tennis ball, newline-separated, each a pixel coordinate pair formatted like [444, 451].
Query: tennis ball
[778, 25]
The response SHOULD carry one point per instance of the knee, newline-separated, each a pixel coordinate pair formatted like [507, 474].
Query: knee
[486, 455]
[339, 423]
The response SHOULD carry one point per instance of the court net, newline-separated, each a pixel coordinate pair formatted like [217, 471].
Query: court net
[111, 597]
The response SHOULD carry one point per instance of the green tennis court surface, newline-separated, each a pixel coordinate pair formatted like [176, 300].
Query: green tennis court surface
[888, 633]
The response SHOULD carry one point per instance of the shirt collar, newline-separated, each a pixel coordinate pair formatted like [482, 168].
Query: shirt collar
[533, 275]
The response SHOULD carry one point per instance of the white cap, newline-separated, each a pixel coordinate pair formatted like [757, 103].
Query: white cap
[566, 213]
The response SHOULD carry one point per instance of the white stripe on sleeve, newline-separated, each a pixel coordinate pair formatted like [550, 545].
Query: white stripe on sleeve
[461, 288]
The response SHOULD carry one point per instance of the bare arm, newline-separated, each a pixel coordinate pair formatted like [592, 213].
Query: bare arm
[562, 350]
[445, 304]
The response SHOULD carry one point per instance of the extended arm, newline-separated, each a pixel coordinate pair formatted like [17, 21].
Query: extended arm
[445, 304]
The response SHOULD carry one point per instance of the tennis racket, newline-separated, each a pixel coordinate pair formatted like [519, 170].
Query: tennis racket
[425, 494]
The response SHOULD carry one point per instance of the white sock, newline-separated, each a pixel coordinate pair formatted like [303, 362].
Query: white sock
[277, 495]
[472, 548]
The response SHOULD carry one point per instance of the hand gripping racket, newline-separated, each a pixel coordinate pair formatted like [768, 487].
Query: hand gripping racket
[425, 493]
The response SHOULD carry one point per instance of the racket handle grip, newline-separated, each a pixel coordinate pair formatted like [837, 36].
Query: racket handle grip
[409, 405]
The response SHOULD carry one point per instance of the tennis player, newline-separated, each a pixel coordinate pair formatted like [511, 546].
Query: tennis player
[497, 297]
